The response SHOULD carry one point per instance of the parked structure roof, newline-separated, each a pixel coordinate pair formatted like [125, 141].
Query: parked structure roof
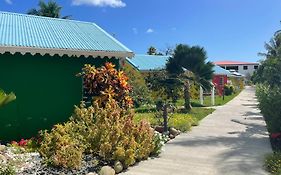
[148, 62]
[221, 71]
[234, 63]
[34, 34]
[156, 62]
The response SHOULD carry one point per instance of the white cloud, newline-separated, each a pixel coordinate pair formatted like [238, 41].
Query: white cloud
[9, 1]
[150, 30]
[100, 3]
[135, 30]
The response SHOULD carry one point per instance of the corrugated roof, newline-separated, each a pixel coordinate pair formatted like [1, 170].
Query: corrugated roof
[156, 62]
[220, 71]
[148, 62]
[27, 33]
[233, 63]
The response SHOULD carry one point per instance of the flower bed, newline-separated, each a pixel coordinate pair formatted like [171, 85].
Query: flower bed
[98, 137]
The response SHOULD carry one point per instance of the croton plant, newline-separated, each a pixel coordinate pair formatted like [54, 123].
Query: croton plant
[105, 83]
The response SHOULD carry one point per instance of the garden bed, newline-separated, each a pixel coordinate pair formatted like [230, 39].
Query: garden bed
[180, 121]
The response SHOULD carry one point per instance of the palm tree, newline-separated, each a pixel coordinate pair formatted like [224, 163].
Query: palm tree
[189, 64]
[6, 98]
[273, 47]
[50, 9]
[151, 51]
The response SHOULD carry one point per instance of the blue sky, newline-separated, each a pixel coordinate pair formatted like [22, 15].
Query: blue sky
[227, 29]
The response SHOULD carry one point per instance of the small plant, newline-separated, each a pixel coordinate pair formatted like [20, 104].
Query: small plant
[228, 90]
[158, 140]
[28, 145]
[7, 169]
[144, 138]
[61, 148]
[273, 163]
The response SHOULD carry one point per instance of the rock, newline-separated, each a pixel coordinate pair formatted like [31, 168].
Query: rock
[2, 148]
[118, 167]
[3, 159]
[159, 129]
[107, 170]
[92, 174]
[174, 132]
[171, 136]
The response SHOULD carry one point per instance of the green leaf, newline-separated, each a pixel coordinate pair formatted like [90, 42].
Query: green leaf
[6, 98]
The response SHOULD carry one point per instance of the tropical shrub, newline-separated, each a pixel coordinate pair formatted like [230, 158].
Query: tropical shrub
[269, 103]
[108, 132]
[140, 92]
[61, 147]
[105, 129]
[273, 163]
[158, 140]
[228, 90]
[164, 87]
[28, 145]
[237, 82]
[182, 122]
[144, 138]
[106, 82]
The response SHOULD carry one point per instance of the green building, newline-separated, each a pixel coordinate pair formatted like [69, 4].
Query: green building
[39, 60]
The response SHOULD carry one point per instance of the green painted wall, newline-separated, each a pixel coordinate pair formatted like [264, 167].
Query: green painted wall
[46, 88]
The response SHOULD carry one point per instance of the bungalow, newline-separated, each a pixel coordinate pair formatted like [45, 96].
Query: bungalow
[149, 63]
[220, 78]
[39, 60]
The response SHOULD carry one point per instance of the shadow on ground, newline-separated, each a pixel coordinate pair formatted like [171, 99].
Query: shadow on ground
[240, 155]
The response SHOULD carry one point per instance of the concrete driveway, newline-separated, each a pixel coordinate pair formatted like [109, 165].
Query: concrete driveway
[231, 141]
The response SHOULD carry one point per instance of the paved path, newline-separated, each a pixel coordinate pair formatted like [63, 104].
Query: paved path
[231, 141]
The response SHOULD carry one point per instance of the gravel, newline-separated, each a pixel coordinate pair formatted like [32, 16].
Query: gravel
[33, 164]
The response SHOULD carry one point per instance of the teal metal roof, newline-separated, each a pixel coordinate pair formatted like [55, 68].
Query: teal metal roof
[42, 33]
[221, 71]
[156, 62]
[148, 62]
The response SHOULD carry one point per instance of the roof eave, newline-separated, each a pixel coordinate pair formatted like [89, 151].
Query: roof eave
[68, 52]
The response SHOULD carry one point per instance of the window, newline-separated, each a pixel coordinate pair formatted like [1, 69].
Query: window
[256, 67]
[245, 67]
[232, 68]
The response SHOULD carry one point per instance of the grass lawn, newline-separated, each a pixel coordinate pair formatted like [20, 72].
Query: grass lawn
[207, 100]
[181, 121]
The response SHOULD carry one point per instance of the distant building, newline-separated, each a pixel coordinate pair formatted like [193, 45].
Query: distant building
[244, 68]
[154, 63]
[220, 78]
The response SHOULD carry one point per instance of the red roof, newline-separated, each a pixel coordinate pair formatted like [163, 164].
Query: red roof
[233, 63]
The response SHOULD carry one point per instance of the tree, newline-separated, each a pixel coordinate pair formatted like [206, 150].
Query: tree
[190, 64]
[273, 47]
[151, 50]
[6, 98]
[269, 70]
[50, 9]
